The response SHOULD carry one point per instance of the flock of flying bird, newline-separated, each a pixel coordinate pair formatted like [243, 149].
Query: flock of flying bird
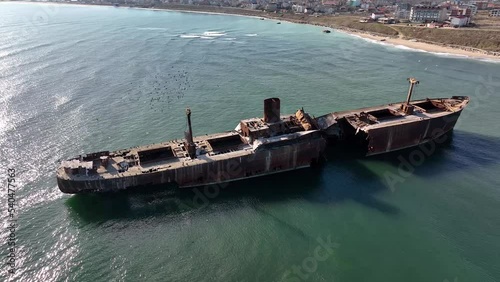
[163, 88]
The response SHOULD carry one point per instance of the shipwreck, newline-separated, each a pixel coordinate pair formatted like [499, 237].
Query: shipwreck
[261, 146]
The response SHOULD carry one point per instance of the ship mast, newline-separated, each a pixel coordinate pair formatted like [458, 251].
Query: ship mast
[191, 147]
[407, 107]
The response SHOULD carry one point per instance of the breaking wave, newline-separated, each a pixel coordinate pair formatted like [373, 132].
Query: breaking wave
[214, 33]
[189, 36]
[151, 28]
[60, 100]
[206, 35]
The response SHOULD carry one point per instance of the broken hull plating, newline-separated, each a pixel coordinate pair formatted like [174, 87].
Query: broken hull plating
[399, 137]
[390, 134]
[393, 138]
[263, 161]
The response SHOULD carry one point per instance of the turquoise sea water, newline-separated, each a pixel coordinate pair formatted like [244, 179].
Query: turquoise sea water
[79, 79]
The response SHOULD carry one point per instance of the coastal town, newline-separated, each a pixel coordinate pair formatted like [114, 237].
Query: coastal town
[469, 26]
[434, 13]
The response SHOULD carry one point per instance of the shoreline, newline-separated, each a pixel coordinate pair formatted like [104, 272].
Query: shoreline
[387, 40]
[420, 46]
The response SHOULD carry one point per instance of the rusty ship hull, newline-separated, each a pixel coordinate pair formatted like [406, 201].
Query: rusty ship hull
[388, 128]
[257, 147]
[263, 146]
[300, 152]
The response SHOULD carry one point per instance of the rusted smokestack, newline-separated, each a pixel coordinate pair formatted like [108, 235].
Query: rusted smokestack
[272, 110]
[191, 147]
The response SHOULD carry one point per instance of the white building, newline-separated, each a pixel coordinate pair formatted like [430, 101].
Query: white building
[376, 16]
[428, 14]
[459, 21]
[298, 8]
[495, 13]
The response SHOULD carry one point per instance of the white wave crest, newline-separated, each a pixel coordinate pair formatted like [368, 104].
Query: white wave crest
[189, 36]
[214, 33]
[151, 28]
[61, 100]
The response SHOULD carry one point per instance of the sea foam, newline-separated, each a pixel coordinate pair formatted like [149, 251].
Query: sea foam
[152, 28]
[214, 33]
[189, 36]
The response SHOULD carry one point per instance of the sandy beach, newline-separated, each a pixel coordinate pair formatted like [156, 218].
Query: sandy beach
[432, 48]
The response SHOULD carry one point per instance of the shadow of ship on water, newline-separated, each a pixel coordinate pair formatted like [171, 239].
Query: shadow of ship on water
[342, 178]
[460, 152]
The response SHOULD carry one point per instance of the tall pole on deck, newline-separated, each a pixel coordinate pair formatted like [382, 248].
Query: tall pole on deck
[406, 107]
[191, 147]
[413, 81]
